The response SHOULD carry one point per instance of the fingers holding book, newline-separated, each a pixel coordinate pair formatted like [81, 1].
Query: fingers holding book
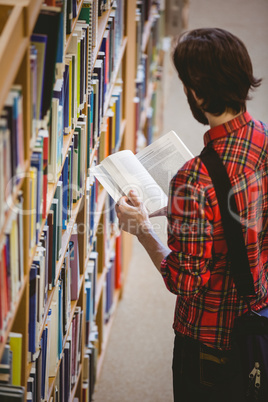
[132, 214]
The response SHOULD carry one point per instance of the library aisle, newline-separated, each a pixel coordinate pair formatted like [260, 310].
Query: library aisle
[137, 363]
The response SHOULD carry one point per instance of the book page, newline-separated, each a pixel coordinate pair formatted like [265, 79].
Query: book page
[121, 172]
[164, 157]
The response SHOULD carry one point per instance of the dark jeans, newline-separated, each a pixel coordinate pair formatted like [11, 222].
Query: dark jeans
[204, 374]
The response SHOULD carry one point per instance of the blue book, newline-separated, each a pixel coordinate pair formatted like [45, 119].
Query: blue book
[37, 162]
[98, 73]
[60, 329]
[65, 190]
[44, 362]
[60, 41]
[32, 309]
[66, 126]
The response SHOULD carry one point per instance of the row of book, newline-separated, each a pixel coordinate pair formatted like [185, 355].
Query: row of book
[11, 148]
[11, 263]
[148, 72]
[10, 370]
[53, 359]
[44, 278]
[90, 365]
[110, 135]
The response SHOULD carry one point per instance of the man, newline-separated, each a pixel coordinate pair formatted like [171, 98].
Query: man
[216, 72]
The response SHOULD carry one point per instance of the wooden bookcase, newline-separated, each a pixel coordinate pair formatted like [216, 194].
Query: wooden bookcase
[17, 21]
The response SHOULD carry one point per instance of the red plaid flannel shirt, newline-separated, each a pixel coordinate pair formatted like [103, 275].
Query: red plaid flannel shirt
[197, 269]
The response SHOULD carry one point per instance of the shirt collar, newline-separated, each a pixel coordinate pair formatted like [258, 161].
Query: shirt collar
[227, 128]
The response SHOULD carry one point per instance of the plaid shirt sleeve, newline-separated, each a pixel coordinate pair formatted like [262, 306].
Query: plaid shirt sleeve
[186, 269]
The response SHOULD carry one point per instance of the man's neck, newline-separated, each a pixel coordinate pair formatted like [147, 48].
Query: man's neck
[218, 120]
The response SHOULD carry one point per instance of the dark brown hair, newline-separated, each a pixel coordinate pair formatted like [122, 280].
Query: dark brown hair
[216, 65]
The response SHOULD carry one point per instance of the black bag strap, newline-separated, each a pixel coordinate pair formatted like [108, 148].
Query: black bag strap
[233, 233]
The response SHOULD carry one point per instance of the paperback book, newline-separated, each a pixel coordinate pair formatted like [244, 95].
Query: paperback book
[149, 171]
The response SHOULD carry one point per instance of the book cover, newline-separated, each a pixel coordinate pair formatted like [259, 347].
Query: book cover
[33, 200]
[66, 104]
[32, 311]
[59, 196]
[74, 265]
[12, 393]
[76, 172]
[48, 23]
[40, 43]
[70, 181]
[95, 102]
[65, 191]
[37, 163]
[54, 328]
[15, 342]
[98, 74]
[16, 93]
[44, 134]
[50, 225]
[55, 209]
[53, 142]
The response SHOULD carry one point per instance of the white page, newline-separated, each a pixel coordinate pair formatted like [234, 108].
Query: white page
[164, 157]
[128, 173]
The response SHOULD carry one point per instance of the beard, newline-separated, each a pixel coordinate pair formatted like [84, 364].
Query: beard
[195, 109]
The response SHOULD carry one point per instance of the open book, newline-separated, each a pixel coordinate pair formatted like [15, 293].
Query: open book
[148, 172]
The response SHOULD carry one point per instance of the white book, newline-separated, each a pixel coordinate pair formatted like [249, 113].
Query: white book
[53, 143]
[83, 126]
[148, 172]
[54, 328]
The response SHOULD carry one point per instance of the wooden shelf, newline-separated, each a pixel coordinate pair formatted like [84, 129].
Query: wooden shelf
[17, 21]
[66, 235]
[102, 23]
[11, 320]
[11, 202]
[68, 37]
[147, 102]
[147, 28]
[73, 307]
[115, 74]
[107, 331]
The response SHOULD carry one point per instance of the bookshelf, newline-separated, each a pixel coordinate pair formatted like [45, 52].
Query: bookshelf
[63, 261]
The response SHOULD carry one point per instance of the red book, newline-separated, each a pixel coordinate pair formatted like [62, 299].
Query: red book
[118, 263]
[5, 289]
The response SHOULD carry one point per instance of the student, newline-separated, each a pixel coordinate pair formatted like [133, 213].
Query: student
[216, 72]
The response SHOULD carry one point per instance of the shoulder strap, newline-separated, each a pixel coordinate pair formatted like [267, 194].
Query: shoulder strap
[233, 233]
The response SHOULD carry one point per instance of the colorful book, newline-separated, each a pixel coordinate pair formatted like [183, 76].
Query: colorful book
[15, 342]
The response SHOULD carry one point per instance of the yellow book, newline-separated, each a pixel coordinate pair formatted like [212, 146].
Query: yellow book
[70, 92]
[15, 342]
[78, 77]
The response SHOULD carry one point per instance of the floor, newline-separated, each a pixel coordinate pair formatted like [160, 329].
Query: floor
[137, 364]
